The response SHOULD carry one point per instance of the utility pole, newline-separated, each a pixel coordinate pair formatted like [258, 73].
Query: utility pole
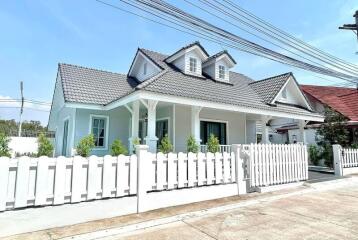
[353, 27]
[22, 106]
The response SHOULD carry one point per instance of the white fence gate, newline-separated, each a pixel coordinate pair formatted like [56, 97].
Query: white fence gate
[272, 164]
[345, 160]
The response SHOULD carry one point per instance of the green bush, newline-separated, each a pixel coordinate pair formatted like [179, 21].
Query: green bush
[118, 148]
[4, 145]
[314, 154]
[165, 145]
[213, 144]
[354, 145]
[191, 145]
[45, 147]
[327, 155]
[85, 146]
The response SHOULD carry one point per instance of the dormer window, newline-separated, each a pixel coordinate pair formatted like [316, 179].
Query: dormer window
[193, 65]
[145, 68]
[221, 72]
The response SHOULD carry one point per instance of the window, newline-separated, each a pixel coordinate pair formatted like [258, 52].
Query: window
[193, 64]
[221, 72]
[145, 68]
[99, 131]
[161, 129]
[284, 93]
[216, 128]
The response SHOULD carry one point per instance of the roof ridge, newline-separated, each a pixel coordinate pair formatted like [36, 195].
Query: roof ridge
[270, 78]
[154, 51]
[89, 68]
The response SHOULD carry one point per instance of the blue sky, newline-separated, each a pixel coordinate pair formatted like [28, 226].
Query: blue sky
[37, 35]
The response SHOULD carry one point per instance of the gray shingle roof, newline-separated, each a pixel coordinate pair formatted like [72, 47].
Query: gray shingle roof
[218, 55]
[268, 88]
[86, 85]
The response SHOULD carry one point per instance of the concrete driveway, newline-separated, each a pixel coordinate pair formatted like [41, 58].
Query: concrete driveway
[331, 214]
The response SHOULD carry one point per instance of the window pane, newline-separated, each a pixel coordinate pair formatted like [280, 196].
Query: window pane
[101, 123]
[100, 142]
[95, 122]
[95, 132]
[101, 132]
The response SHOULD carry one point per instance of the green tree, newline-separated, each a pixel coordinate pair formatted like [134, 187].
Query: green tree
[191, 145]
[332, 131]
[85, 146]
[4, 145]
[213, 144]
[314, 153]
[165, 145]
[118, 148]
[45, 147]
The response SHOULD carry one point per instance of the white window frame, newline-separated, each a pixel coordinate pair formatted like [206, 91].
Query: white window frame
[218, 121]
[221, 72]
[106, 125]
[193, 68]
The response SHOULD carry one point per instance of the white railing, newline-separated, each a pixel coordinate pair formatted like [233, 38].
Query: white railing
[51, 181]
[349, 157]
[223, 148]
[272, 164]
[345, 160]
[183, 170]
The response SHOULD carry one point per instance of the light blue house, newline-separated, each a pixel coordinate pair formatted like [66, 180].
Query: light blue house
[181, 94]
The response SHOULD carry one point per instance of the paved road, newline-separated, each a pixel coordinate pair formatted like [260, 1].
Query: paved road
[330, 214]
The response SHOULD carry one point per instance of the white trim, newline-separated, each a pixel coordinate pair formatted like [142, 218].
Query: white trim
[184, 51]
[299, 90]
[219, 121]
[73, 132]
[146, 58]
[105, 148]
[174, 136]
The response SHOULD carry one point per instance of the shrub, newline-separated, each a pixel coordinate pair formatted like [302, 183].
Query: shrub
[191, 145]
[45, 147]
[213, 144]
[4, 145]
[314, 154]
[118, 148]
[165, 145]
[327, 155]
[85, 146]
[354, 145]
[27, 154]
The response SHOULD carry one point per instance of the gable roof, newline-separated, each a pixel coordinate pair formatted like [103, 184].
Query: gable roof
[268, 88]
[91, 86]
[196, 43]
[218, 55]
[342, 100]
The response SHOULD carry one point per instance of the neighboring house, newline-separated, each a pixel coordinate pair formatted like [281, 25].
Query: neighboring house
[181, 94]
[342, 100]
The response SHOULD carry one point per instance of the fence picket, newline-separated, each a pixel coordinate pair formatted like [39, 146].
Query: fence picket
[226, 162]
[133, 163]
[233, 167]
[93, 178]
[122, 175]
[161, 171]
[201, 168]
[209, 168]
[76, 179]
[191, 169]
[218, 168]
[181, 170]
[4, 178]
[22, 180]
[172, 170]
[41, 181]
[107, 177]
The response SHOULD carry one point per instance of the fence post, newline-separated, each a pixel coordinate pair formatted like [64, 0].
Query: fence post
[240, 169]
[337, 157]
[142, 173]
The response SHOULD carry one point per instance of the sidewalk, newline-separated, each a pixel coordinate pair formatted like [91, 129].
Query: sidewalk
[166, 218]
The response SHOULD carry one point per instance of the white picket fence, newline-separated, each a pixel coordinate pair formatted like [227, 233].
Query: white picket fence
[151, 180]
[223, 148]
[272, 164]
[190, 170]
[51, 181]
[345, 160]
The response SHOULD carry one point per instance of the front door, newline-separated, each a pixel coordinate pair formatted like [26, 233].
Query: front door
[218, 129]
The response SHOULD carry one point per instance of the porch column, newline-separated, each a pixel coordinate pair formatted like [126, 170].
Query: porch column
[302, 125]
[151, 139]
[195, 123]
[135, 125]
[265, 130]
